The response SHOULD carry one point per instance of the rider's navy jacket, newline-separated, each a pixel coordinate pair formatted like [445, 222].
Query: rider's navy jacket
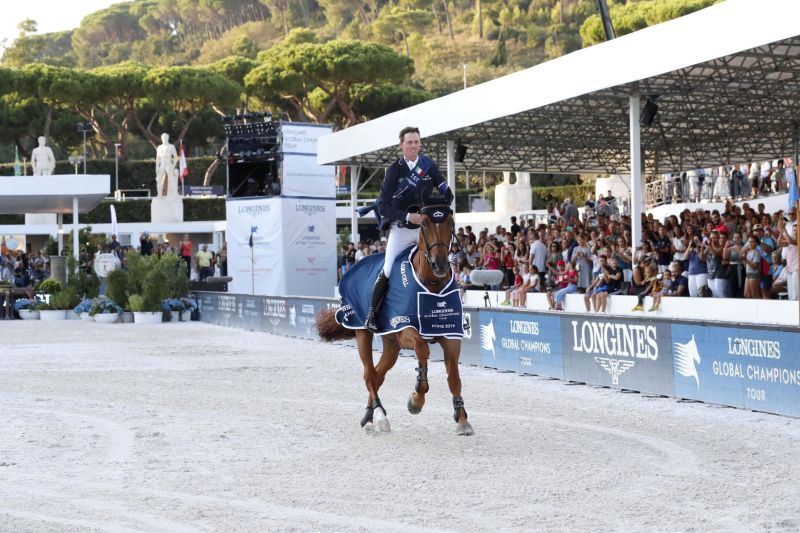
[402, 188]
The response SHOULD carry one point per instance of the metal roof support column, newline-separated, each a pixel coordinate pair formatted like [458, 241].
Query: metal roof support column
[451, 170]
[354, 173]
[75, 241]
[636, 174]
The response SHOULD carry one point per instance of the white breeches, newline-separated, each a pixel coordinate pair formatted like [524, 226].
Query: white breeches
[399, 240]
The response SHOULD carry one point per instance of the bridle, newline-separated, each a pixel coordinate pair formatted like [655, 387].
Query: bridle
[439, 214]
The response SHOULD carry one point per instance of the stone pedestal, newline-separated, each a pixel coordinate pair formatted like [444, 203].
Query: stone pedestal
[32, 219]
[166, 209]
[510, 199]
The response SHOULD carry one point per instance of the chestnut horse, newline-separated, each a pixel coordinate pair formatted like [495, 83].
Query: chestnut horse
[432, 266]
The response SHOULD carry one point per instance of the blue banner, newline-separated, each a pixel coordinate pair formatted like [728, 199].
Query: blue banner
[522, 342]
[750, 368]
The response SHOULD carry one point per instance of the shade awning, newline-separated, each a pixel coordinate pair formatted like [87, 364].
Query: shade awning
[52, 194]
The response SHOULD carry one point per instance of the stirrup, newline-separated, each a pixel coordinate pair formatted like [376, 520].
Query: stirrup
[371, 322]
[422, 375]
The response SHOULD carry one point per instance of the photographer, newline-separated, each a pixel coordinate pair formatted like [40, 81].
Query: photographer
[698, 270]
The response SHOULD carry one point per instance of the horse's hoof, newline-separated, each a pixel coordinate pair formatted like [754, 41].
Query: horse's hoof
[369, 428]
[413, 408]
[464, 429]
[381, 422]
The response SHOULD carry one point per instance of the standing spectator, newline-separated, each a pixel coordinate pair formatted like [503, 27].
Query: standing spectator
[752, 269]
[789, 254]
[205, 263]
[754, 179]
[223, 260]
[664, 249]
[736, 184]
[698, 270]
[145, 244]
[539, 255]
[186, 253]
[515, 228]
[733, 258]
[115, 246]
[582, 256]
[717, 273]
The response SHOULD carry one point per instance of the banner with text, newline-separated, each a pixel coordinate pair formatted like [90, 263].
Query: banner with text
[301, 175]
[522, 342]
[255, 246]
[619, 353]
[309, 244]
[750, 368]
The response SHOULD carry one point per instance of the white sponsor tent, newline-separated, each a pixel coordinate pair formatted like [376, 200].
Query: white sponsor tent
[61, 194]
[725, 80]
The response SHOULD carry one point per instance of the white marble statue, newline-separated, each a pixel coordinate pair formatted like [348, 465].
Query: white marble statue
[42, 159]
[166, 171]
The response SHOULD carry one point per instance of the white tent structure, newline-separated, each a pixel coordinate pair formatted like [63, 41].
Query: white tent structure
[62, 194]
[725, 80]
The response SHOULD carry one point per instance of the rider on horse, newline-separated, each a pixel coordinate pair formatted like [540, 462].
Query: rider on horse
[407, 181]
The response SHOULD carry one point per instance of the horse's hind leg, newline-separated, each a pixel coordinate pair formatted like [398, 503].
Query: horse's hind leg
[417, 398]
[452, 352]
[389, 354]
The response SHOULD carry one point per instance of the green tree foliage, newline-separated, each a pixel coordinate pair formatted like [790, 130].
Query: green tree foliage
[289, 75]
[630, 17]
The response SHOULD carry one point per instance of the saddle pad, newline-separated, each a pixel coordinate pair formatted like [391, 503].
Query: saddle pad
[408, 304]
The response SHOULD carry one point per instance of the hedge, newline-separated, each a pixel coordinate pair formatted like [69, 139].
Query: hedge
[194, 210]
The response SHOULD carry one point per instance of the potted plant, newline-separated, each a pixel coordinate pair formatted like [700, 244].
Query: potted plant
[49, 286]
[117, 284]
[28, 309]
[173, 306]
[140, 316]
[65, 300]
[104, 310]
[83, 309]
[189, 307]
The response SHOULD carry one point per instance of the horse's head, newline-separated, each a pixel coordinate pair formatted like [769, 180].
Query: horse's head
[435, 237]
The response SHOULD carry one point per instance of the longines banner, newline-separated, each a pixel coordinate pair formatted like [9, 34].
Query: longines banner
[755, 369]
[309, 247]
[619, 353]
[282, 246]
[750, 368]
[301, 175]
[522, 342]
[256, 269]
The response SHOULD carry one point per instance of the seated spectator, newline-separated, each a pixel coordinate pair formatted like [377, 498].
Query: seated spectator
[517, 283]
[560, 281]
[652, 288]
[599, 285]
[560, 295]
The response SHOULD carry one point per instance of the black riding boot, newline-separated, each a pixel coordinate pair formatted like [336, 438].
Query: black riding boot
[378, 292]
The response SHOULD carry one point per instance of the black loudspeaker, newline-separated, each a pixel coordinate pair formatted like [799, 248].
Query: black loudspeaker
[461, 151]
[254, 179]
[648, 113]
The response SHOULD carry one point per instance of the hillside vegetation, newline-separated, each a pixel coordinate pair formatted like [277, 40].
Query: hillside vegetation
[142, 67]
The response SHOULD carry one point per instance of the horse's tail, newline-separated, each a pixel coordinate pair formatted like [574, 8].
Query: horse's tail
[329, 330]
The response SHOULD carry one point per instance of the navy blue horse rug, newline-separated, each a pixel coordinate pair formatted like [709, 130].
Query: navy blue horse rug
[408, 304]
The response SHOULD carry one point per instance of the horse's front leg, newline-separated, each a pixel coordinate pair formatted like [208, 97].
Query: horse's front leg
[412, 340]
[364, 344]
[452, 352]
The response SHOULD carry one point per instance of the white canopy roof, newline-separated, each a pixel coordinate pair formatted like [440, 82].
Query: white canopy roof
[726, 80]
[52, 194]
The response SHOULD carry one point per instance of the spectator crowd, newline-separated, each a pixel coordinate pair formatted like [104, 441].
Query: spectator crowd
[21, 269]
[738, 252]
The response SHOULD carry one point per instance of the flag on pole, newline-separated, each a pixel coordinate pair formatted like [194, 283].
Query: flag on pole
[17, 164]
[113, 220]
[184, 169]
